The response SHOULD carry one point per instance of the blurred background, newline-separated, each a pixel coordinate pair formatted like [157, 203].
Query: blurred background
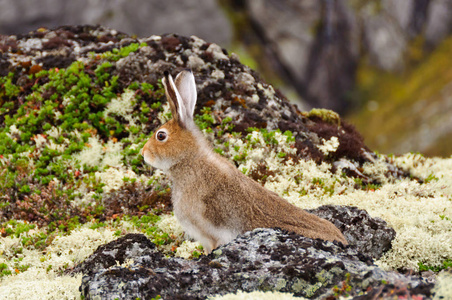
[384, 65]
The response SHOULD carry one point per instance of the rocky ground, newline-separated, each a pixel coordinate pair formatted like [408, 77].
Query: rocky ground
[77, 103]
[264, 259]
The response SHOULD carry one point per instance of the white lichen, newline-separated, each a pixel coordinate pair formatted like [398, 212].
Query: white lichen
[329, 146]
[97, 153]
[113, 178]
[92, 154]
[42, 279]
[170, 225]
[164, 115]
[186, 249]
[14, 132]
[121, 106]
[443, 286]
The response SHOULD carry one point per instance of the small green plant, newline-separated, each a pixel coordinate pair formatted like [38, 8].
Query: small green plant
[197, 252]
[445, 265]
[13, 227]
[431, 178]
[97, 224]
[318, 181]
[282, 154]
[8, 88]
[116, 54]
[4, 270]
[205, 120]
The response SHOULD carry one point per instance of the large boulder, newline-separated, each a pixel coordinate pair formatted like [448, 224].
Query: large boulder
[370, 236]
[263, 259]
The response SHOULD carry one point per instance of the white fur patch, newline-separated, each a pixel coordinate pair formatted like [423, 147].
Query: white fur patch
[203, 230]
[222, 235]
[162, 164]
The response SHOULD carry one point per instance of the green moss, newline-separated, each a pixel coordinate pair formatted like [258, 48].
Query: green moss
[8, 89]
[205, 120]
[445, 265]
[147, 225]
[4, 270]
[196, 254]
[325, 115]
[116, 54]
[71, 100]
[15, 228]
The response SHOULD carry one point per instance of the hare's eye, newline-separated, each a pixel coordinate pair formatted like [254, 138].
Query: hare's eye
[161, 135]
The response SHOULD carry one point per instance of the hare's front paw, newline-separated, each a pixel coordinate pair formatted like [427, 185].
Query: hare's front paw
[208, 248]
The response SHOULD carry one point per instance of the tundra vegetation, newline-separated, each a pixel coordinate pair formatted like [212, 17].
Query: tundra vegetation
[72, 179]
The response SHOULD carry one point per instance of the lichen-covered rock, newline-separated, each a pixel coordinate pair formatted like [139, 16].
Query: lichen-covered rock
[132, 246]
[371, 236]
[263, 259]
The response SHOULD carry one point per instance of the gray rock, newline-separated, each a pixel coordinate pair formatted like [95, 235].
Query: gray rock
[439, 21]
[313, 44]
[263, 259]
[370, 236]
[386, 42]
[132, 246]
[289, 26]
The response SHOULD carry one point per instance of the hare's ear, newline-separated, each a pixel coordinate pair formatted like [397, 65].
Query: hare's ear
[175, 100]
[185, 84]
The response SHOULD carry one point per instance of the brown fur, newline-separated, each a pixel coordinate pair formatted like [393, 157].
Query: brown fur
[212, 199]
[231, 199]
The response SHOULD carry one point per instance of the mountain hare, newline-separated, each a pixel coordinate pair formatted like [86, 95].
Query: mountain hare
[213, 201]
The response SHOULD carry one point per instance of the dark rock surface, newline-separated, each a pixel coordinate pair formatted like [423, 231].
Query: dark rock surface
[263, 259]
[370, 236]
